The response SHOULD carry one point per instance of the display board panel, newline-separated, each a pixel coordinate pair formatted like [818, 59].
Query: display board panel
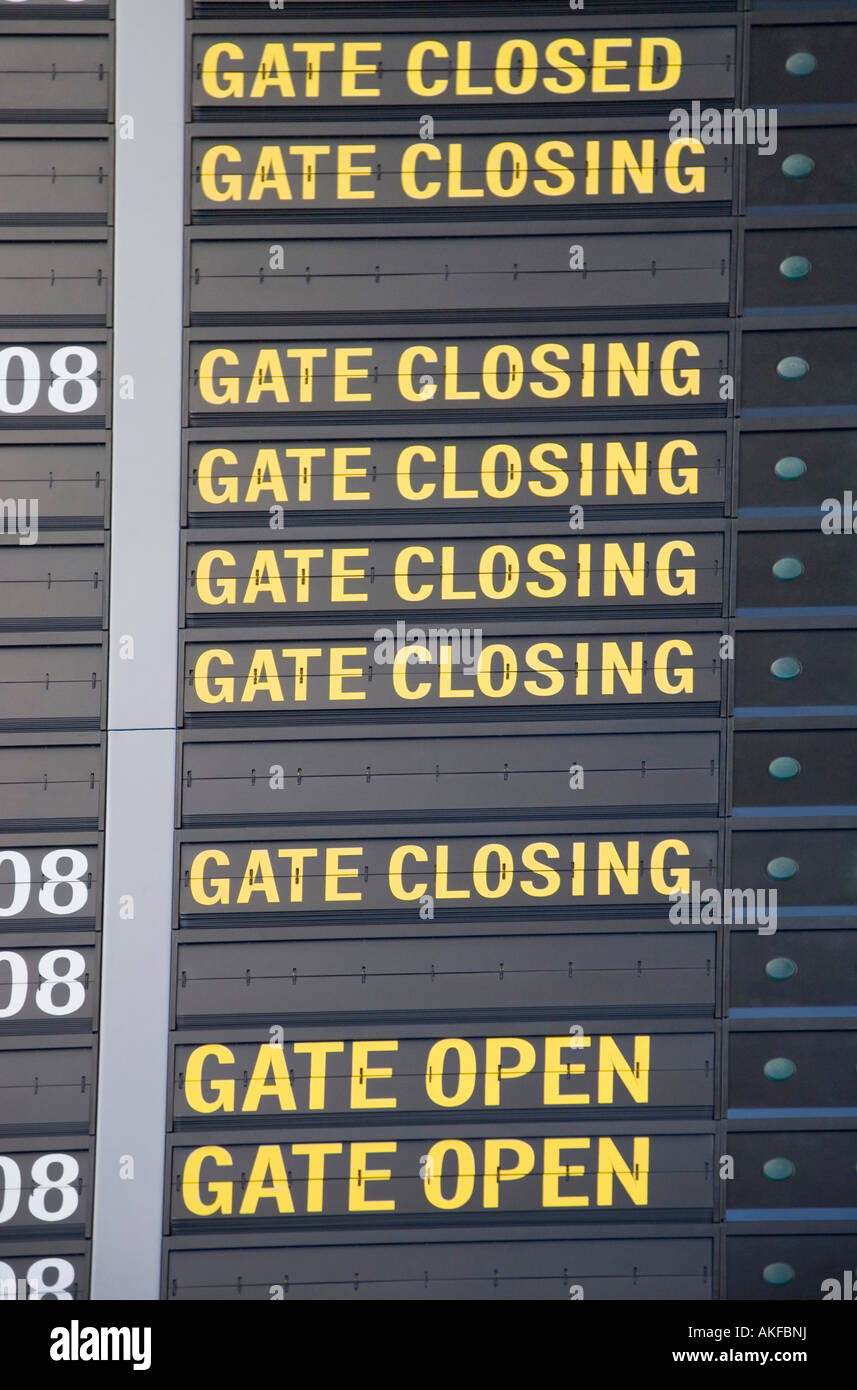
[448, 778]
[444, 976]
[629, 1171]
[555, 1075]
[50, 1269]
[508, 577]
[47, 1088]
[285, 68]
[497, 168]
[552, 872]
[51, 586]
[310, 326]
[52, 687]
[66, 483]
[49, 986]
[54, 282]
[55, 77]
[60, 381]
[51, 784]
[256, 281]
[45, 1189]
[233, 478]
[312, 375]
[403, 671]
[49, 882]
[55, 179]
[533, 1265]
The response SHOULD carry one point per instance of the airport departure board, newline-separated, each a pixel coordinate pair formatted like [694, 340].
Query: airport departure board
[498, 554]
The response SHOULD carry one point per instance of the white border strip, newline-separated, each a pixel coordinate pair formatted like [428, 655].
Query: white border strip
[144, 589]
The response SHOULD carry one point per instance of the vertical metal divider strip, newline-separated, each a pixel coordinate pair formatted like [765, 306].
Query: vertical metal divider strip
[144, 593]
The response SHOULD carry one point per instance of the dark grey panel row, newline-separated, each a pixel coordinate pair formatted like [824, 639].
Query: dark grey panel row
[45, 1189]
[47, 1089]
[69, 482]
[325, 278]
[241, 1081]
[780, 1071]
[48, 987]
[51, 586]
[235, 477]
[515, 576]
[286, 68]
[463, 977]
[49, 882]
[514, 1268]
[469, 877]
[232, 79]
[231, 478]
[52, 687]
[345, 1176]
[271, 281]
[496, 876]
[308, 375]
[456, 778]
[235, 380]
[56, 784]
[46, 1269]
[237, 175]
[356, 173]
[53, 380]
[55, 282]
[50, 77]
[56, 179]
[265, 679]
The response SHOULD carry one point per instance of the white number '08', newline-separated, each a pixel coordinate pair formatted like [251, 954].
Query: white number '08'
[43, 1183]
[58, 1288]
[71, 391]
[52, 980]
[55, 878]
